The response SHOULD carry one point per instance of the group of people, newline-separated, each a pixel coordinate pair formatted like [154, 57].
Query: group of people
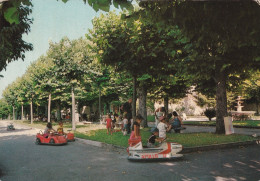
[165, 125]
[48, 130]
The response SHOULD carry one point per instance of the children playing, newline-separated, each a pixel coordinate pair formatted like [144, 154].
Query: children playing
[125, 124]
[153, 138]
[109, 124]
[136, 127]
[163, 128]
[60, 129]
[48, 130]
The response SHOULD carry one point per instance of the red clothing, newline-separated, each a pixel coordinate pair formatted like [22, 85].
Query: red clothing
[109, 121]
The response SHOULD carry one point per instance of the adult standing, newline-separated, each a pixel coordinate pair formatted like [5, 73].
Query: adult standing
[127, 109]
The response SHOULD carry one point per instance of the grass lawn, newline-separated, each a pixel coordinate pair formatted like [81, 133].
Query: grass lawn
[247, 123]
[187, 140]
[150, 118]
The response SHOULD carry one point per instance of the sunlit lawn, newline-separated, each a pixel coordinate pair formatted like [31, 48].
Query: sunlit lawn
[187, 139]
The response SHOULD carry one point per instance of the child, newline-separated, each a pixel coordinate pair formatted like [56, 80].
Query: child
[109, 124]
[152, 139]
[125, 124]
[163, 128]
[60, 129]
[136, 127]
[48, 130]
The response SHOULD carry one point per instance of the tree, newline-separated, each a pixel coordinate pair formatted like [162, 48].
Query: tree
[14, 22]
[134, 46]
[220, 47]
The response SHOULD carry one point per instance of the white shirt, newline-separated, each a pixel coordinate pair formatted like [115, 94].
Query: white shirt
[125, 121]
[162, 127]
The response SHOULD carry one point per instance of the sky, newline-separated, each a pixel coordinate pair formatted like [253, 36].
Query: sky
[52, 20]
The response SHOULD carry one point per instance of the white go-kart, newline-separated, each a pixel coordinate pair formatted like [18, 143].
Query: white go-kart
[166, 151]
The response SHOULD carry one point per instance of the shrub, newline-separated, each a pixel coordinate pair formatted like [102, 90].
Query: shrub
[210, 113]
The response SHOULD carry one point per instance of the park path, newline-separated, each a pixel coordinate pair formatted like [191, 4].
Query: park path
[212, 129]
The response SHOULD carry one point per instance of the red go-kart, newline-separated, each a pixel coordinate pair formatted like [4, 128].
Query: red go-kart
[52, 139]
[70, 136]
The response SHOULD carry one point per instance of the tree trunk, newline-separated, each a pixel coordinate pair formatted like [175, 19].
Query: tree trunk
[221, 100]
[22, 113]
[142, 94]
[134, 98]
[13, 113]
[31, 106]
[49, 109]
[166, 105]
[99, 104]
[73, 110]
[58, 111]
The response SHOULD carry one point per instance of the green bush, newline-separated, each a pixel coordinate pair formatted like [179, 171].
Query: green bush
[210, 113]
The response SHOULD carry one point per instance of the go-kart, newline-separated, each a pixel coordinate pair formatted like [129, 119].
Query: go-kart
[166, 151]
[10, 127]
[70, 136]
[52, 139]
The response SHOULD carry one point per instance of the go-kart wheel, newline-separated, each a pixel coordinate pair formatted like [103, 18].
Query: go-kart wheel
[38, 141]
[52, 141]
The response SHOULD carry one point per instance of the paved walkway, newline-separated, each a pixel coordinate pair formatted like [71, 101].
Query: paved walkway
[196, 129]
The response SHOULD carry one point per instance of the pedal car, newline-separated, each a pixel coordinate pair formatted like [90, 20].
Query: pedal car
[52, 139]
[70, 136]
[10, 127]
[166, 151]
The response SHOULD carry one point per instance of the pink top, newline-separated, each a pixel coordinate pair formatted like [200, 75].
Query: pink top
[108, 120]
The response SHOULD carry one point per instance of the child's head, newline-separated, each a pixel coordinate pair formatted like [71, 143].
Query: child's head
[174, 113]
[125, 116]
[49, 125]
[108, 116]
[139, 118]
[60, 123]
[162, 119]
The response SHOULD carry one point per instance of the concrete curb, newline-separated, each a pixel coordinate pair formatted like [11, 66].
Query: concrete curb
[215, 126]
[185, 150]
[219, 146]
[101, 145]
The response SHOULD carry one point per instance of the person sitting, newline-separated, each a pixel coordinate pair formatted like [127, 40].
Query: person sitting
[60, 129]
[176, 122]
[163, 128]
[48, 130]
[153, 138]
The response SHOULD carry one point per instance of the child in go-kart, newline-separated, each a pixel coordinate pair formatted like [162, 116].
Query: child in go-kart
[153, 138]
[60, 129]
[136, 127]
[48, 130]
[163, 128]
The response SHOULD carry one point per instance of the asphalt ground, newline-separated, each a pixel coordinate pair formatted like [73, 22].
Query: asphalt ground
[22, 160]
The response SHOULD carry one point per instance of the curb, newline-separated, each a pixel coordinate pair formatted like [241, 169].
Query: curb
[101, 145]
[220, 146]
[185, 150]
[215, 126]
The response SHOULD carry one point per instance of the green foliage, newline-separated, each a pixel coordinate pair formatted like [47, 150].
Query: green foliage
[210, 113]
[14, 22]
[5, 109]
